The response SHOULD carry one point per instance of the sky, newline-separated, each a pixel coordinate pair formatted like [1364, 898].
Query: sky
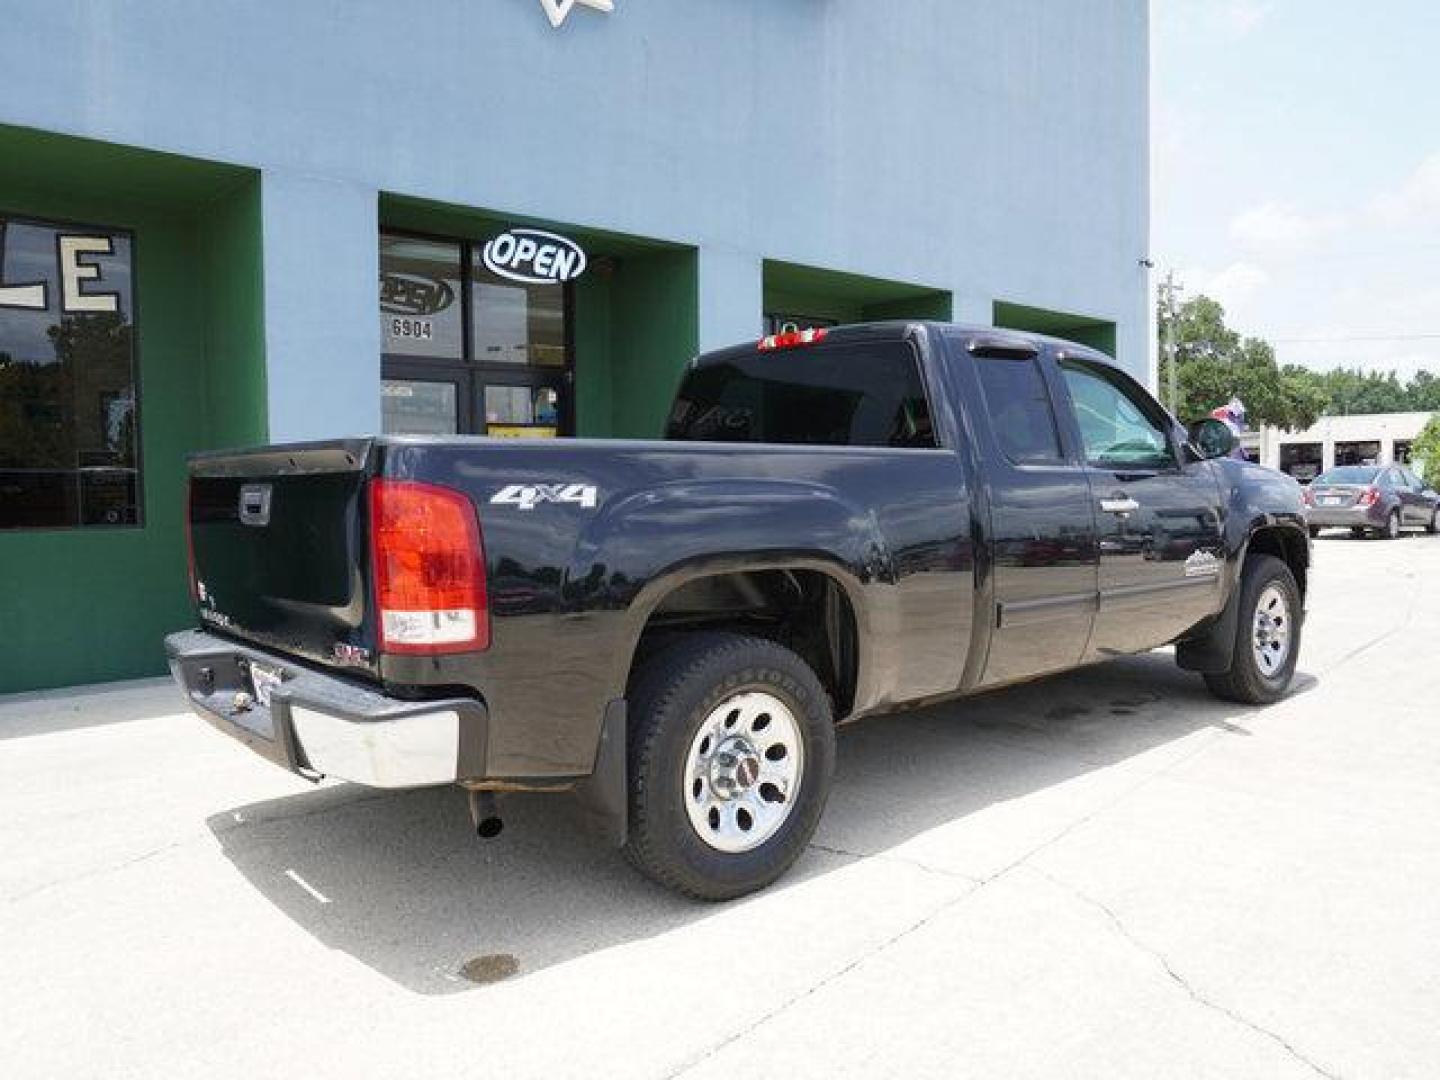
[1296, 172]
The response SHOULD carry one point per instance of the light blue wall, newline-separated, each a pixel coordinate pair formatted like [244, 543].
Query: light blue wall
[996, 150]
[321, 242]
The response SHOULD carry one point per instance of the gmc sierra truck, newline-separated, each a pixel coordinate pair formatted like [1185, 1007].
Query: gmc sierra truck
[837, 524]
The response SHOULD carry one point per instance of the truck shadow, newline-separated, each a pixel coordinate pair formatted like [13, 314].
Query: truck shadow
[400, 882]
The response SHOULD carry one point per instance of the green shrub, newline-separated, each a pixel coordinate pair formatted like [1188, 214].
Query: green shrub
[1427, 451]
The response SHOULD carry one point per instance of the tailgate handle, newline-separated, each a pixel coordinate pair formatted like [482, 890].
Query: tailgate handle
[255, 504]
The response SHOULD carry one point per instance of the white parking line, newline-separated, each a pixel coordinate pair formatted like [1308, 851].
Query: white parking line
[316, 893]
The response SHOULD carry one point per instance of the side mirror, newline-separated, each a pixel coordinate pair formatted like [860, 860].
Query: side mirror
[1213, 438]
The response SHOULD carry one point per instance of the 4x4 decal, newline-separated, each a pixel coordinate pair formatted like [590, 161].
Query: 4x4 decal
[529, 496]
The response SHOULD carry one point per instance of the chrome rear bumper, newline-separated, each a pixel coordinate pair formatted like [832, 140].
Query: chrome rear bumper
[316, 724]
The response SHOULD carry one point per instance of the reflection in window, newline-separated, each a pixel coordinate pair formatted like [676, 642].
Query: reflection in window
[414, 407]
[420, 297]
[515, 323]
[840, 394]
[1019, 407]
[1115, 429]
[69, 431]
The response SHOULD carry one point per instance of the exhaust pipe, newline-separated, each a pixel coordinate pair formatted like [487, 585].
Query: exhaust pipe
[485, 815]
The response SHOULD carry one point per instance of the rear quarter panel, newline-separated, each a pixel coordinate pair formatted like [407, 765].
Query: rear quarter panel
[572, 585]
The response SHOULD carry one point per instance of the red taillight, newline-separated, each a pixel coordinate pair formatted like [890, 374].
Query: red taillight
[1370, 496]
[190, 542]
[428, 569]
[793, 339]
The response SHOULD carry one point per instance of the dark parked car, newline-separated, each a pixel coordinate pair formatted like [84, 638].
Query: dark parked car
[1375, 500]
[840, 523]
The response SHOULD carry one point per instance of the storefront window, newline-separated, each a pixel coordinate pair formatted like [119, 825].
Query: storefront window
[420, 297]
[468, 350]
[418, 407]
[69, 423]
[517, 324]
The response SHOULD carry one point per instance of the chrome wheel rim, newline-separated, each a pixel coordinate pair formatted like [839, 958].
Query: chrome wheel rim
[743, 772]
[1271, 636]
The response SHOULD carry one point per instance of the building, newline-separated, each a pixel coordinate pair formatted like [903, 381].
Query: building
[1365, 439]
[559, 204]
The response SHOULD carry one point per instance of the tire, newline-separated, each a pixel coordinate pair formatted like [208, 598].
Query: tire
[1392, 526]
[1249, 680]
[1358, 532]
[709, 701]
[1314, 531]
[1434, 526]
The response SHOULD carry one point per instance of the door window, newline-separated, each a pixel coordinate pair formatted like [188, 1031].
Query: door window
[1019, 409]
[514, 323]
[1117, 423]
[420, 297]
[418, 407]
[467, 351]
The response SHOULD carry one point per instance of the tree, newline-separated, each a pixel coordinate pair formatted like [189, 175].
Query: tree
[1426, 450]
[1215, 363]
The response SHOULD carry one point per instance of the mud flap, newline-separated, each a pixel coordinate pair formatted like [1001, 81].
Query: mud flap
[1213, 651]
[605, 794]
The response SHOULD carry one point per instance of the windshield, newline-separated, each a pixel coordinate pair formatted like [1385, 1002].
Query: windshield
[845, 394]
[1348, 474]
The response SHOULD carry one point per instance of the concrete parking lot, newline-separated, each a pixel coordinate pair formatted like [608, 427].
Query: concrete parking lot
[1107, 874]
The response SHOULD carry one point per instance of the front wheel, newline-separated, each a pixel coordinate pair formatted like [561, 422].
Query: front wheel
[732, 749]
[1267, 635]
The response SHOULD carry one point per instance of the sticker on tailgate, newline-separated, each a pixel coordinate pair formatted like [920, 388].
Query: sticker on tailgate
[529, 496]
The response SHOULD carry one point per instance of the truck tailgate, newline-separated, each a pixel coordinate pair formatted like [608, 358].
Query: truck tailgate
[278, 540]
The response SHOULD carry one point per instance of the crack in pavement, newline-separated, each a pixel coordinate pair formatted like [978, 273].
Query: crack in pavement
[695, 1061]
[1179, 980]
[886, 856]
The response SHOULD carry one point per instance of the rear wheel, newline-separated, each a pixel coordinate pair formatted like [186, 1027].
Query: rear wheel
[1357, 532]
[732, 749]
[1314, 531]
[1392, 526]
[1434, 526]
[1267, 635]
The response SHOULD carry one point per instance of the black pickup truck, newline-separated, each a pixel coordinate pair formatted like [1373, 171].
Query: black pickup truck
[838, 523]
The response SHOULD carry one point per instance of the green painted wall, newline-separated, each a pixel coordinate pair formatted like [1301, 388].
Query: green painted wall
[234, 324]
[1097, 333]
[92, 604]
[594, 378]
[655, 329]
[791, 289]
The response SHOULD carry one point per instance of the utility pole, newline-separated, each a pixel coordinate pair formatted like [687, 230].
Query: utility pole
[1170, 312]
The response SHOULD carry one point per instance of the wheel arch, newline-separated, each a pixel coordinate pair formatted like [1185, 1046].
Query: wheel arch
[810, 603]
[1213, 649]
[1287, 542]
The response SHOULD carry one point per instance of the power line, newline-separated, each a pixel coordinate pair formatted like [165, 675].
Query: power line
[1349, 338]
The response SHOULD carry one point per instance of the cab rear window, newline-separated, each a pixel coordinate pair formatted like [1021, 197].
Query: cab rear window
[840, 394]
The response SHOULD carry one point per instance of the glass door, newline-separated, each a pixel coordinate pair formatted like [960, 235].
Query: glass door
[523, 405]
[421, 406]
[467, 351]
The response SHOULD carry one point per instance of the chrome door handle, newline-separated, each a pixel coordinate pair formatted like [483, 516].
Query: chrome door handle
[1125, 505]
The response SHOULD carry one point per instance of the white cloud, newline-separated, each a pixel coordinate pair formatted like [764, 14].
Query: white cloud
[1237, 283]
[1279, 228]
[1415, 202]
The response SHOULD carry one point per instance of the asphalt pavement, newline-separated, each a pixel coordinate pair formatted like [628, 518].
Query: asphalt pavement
[1104, 874]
